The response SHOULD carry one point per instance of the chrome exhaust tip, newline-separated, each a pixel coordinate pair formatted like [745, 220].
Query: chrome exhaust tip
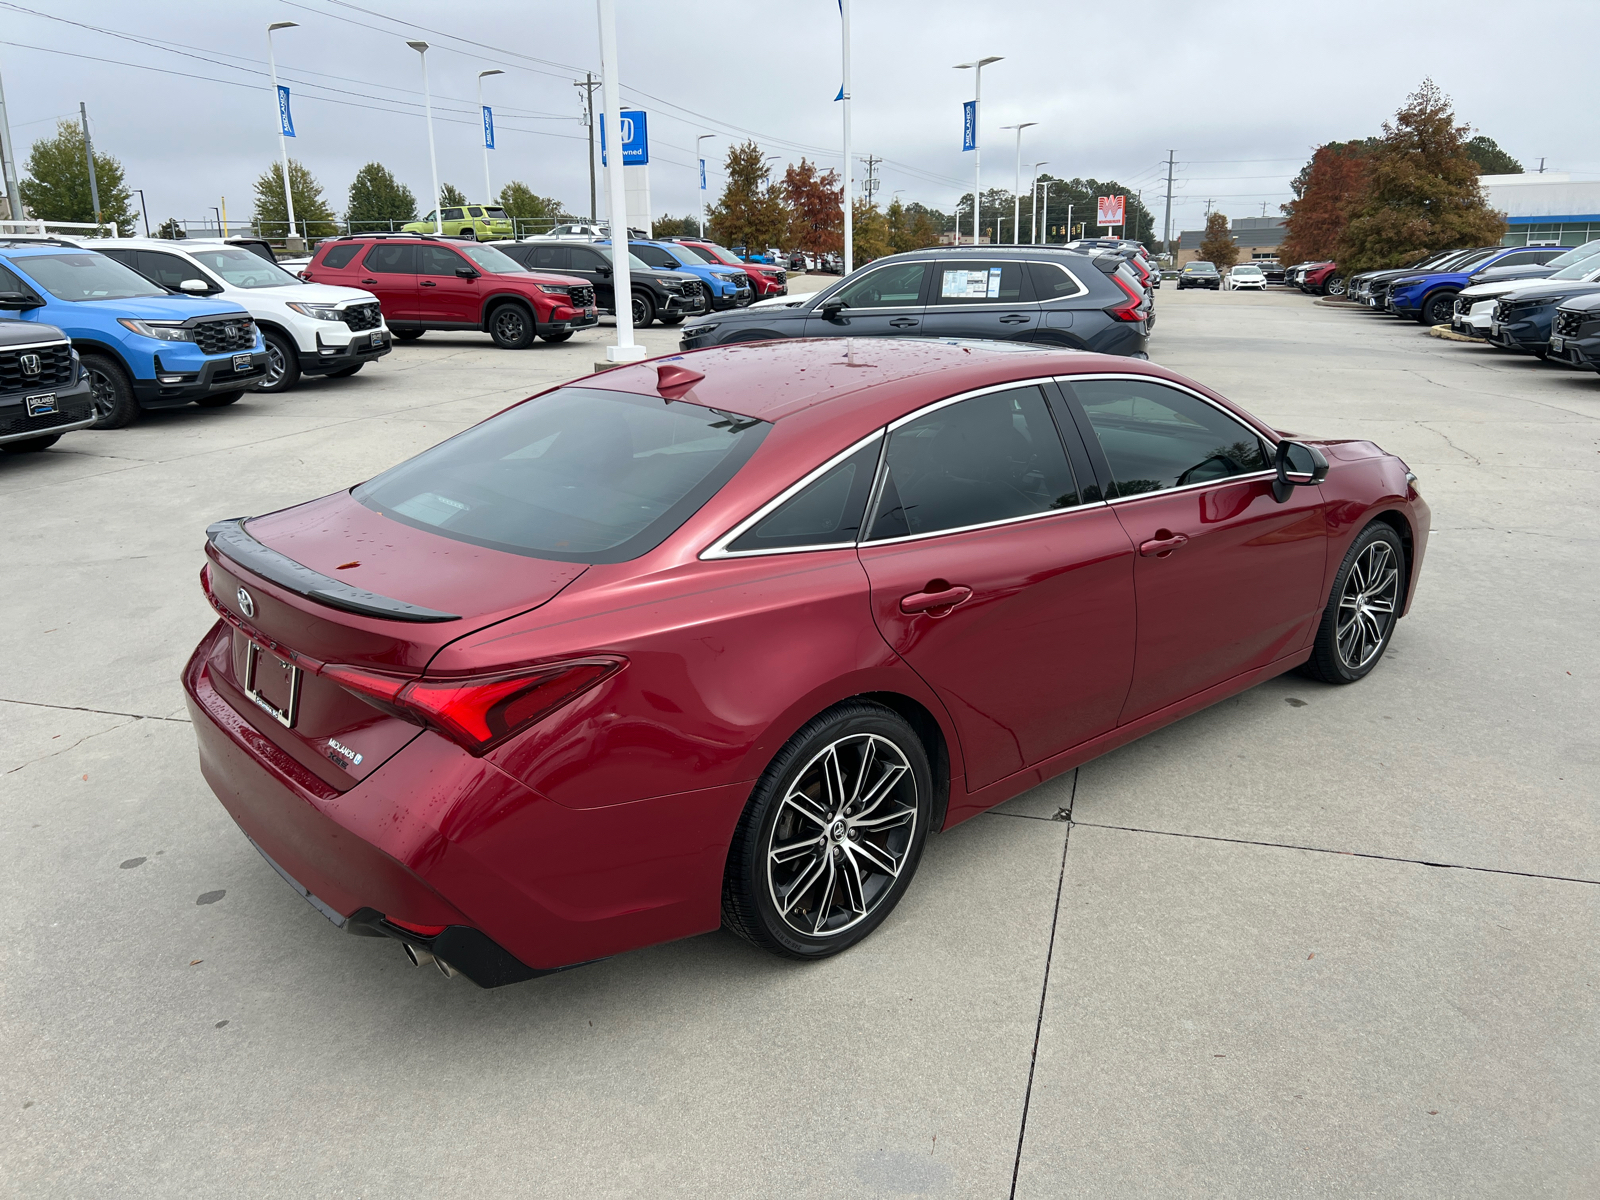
[418, 956]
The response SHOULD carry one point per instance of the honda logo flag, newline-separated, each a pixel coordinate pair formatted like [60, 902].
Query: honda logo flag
[1110, 209]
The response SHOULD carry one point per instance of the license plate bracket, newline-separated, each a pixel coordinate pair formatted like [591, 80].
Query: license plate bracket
[273, 685]
[1557, 345]
[241, 362]
[42, 405]
[377, 339]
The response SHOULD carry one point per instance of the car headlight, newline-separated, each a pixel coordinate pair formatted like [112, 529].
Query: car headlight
[317, 312]
[164, 331]
[555, 289]
[699, 330]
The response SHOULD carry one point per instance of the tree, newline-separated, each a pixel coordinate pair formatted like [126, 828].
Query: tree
[911, 227]
[171, 230]
[1218, 246]
[668, 226]
[815, 204]
[378, 199]
[312, 216]
[55, 184]
[1422, 190]
[870, 231]
[1326, 192]
[522, 204]
[752, 211]
[1490, 158]
[450, 196]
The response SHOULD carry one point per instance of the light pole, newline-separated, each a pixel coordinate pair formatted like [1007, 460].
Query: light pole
[1033, 195]
[488, 188]
[433, 159]
[702, 163]
[1044, 215]
[616, 190]
[847, 193]
[144, 213]
[977, 152]
[283, 140]
[1016, 191]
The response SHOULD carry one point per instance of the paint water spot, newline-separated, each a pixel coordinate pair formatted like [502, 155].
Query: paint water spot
[27, 1104]
[211, 897]
[131, 863]
[219, 1024]
[1292, 702]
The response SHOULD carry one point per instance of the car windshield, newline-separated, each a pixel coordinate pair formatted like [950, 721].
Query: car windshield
[1241, 270]
[1198, 268]
[243, 269]
[703, 254]
[578, 475]
[86, 276]
[492, 261]
[721, 254]
[1581, 267]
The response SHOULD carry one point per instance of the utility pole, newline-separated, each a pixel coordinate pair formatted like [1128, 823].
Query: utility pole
[1209, 203]
[588, 85]
[870, 187]
[8, 162]
[1541, 164]
[88, 150]
[1166, 228]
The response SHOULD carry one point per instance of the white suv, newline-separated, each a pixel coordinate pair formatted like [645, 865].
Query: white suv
[309, 328]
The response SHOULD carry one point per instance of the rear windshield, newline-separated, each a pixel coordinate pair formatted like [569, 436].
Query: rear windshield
[577, 475]
[496, 214]
[86, 276]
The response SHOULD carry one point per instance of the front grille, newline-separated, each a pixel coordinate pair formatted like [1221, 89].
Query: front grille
[742, 281]
[20, 422]
[782, 277]
[1568, 323]
[55, 368]
[691, 290]
[1463, 306]
[581, 297]
[362, 316]
[225, 335]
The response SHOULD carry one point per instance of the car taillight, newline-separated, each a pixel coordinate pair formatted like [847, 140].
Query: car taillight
[1132, 308]
[480, 712]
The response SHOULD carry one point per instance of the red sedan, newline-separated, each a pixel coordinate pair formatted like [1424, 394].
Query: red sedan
[719, 638]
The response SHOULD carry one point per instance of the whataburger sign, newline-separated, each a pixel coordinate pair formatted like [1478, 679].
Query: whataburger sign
[1110, 209]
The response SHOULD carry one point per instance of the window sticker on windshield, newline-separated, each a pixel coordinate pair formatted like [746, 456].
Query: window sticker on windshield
[970, 285]
[431, 507]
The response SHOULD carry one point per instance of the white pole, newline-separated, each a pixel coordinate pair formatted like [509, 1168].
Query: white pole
[488, 188]
[849, 182]
[977, 150]
[701, 163]
[616, 190]
[433, 159]
[1016, 188]
[1044, 214]
[283, 142]
[1033, 198]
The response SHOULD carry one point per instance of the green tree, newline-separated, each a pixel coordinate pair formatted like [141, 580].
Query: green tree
[1218, 246]
[870, 231]
[522, 204]
[751, 212]
[312, 216]
[910, 227]
[378, 199]
[450, 196]
[814, 202]
[668, 226]
[55, 183]
[1422, 190]
[1490, 158]
[171, 230]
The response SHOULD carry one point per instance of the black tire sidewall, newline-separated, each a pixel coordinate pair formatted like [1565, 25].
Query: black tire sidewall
[124, 406]
[291, 362]
[645, 310]
[505, 341]
[1325, 663]
[409, 335]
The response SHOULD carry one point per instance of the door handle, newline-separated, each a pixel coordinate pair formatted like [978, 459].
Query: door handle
[369, 281]
[903, 322]
[1015, 319]
[1163, 544]
[428, 283]
[930, 602]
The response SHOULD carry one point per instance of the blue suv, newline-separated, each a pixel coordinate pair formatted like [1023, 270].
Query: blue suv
[1431, 298]
[728, 287]
[142, 345]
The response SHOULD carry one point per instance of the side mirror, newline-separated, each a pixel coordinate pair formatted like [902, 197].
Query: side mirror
[831, 309]
[466, 273]
[1298, 465]
[17, 301]
[195, 287]
[602, 270]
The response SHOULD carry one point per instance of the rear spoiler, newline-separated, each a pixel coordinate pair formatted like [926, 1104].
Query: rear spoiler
[229, 538]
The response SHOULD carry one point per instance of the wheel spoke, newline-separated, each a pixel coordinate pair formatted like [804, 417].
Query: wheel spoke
[854, 888]
[808, 808]
[812, 872]
[880, 790]
[825, 905]
[833, 781]
[869, 759]
[888, 821]
[793, 850]
[876, 857]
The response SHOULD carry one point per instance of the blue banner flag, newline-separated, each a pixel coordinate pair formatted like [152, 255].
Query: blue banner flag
[840, 96]
[969, 125]
[488, 127]
[702, 174]
[283, 111]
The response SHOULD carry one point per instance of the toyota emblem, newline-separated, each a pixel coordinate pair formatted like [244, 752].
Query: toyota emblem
[30, 364]
[247, 603]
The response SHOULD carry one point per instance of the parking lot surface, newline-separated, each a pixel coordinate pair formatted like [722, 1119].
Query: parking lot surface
[1312, 941]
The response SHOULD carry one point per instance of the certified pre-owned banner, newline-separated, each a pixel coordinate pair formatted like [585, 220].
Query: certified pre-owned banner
[283, 111]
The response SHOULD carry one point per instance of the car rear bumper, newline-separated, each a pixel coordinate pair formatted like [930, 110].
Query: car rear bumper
[74, 409]
[220, 374]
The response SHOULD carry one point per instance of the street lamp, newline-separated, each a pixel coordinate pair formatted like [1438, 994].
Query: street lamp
[702, 163]
[144, 212]
[488, 188]
[1016, 191]
[283, 140]
[1044, 215]
[977, 153]
[626, 350]
[433, 160]
[1033, 195]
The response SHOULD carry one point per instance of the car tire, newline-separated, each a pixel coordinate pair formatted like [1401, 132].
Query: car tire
[673, 320]
[1334, 286]
[219, 400]
[1368, 593]
[831, 835]
[470, 235]
[557, 337]
[283, 363]
[113, 393]
[1436, 309]
[31, 445]
[408, 335]
[644, 310]
[511, 326]
[345, 372]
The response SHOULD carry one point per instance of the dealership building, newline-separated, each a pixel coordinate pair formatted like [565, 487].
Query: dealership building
[1551, 209]
[1256, 237]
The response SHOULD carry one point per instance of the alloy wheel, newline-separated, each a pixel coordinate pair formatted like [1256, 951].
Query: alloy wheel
[510, 324]
[1367, 606]
[103, 391]
[276, 365]
[841, 835]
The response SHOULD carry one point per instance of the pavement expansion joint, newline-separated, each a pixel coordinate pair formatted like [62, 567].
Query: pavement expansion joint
[103, 712]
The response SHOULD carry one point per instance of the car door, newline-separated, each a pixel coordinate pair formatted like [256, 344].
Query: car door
[443, 296]
[885, 301]
[390, 273]
[1227, 578]
[596, 268]
[981, 298]
[1000, 577]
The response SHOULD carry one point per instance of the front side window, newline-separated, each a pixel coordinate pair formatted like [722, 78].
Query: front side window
[893, 286]
[1156, 437]
[827, 512]
[992, 458]
[704, 255]
[385, 259]
[587, 258]
[438, 260]
[241, 268]
[980, 283]
[169, 270]
[576, 475]
[655, 256]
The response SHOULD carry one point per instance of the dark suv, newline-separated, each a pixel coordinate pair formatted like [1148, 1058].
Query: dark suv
[44, 390]
[425, 283]
[669, 295]
[1032, 294]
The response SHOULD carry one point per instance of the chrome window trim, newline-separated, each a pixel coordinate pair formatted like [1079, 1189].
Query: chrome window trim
[1049, 512]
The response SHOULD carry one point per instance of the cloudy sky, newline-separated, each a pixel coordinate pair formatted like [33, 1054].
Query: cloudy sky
[1240, 90]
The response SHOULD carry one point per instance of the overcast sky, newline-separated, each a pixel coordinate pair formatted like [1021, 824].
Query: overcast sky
[1240, 90]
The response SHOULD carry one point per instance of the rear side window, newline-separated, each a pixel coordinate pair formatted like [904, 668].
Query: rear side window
[1051, 281]
[452, 214]
[340, 256]
[391, 260]
[474, 212]
[981, 283]
[576, 475]
[827, 512]
[990, 458]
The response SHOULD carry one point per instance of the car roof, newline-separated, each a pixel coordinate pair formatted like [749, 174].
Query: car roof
[40, 246]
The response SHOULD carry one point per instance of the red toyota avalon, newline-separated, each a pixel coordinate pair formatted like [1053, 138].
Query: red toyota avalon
[720, 638]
